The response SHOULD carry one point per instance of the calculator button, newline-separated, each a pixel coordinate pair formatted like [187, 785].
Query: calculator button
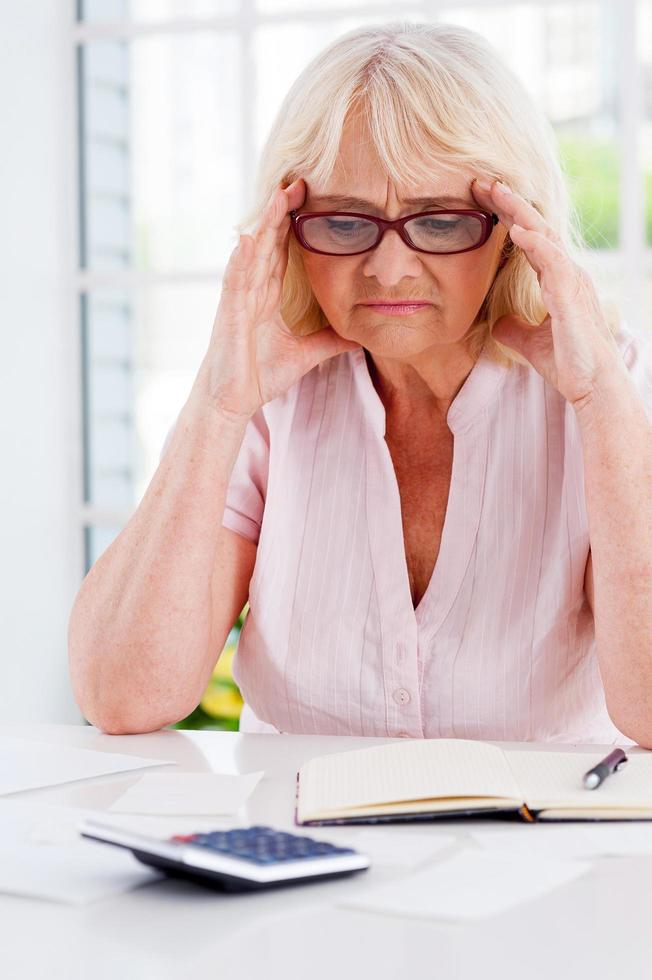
[262, 845]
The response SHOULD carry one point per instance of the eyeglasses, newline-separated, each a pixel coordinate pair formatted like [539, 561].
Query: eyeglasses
[435, 232]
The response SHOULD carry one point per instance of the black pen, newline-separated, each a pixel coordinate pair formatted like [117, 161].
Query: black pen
[611, 763]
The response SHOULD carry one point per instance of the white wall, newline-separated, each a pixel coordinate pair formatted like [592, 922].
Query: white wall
[40, 554]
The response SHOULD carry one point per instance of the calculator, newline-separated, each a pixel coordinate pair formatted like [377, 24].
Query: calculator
[243, 859]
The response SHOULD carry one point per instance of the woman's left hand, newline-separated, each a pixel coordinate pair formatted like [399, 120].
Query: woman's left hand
[572, 347]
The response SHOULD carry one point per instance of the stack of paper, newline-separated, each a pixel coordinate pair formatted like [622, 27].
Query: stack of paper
[42, 853]
[197, 793]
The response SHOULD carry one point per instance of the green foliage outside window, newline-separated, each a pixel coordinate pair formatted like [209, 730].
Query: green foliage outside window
[592, 170]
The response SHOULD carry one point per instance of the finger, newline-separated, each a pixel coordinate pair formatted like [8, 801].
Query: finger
[271, 243]
[271, 216]
[296, 192]
[543, 254]
[276, 217]
[278, 263]
[267, 240]
[235, 279]
[296, 195]
[510, 207]
[561, 280]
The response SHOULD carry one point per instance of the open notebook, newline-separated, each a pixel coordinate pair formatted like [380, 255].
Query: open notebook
[427, 778]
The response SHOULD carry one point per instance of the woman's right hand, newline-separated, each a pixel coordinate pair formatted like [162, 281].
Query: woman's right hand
[253, 356]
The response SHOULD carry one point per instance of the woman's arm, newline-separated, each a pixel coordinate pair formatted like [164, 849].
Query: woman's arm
[574, 350]
[154, 611]
[617, 449]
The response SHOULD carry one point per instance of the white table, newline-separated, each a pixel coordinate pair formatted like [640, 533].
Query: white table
[596, 927]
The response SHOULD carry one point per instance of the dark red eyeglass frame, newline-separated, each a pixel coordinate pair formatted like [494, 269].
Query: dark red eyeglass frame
[488, 219]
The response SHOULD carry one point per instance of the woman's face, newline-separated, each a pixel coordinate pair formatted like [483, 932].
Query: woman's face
[454, 286]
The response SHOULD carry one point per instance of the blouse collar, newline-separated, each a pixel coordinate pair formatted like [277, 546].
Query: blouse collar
[480, 386]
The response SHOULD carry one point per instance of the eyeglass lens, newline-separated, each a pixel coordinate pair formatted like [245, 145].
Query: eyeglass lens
[433, 233]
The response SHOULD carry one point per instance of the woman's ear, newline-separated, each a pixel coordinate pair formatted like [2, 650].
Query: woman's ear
[508, 248]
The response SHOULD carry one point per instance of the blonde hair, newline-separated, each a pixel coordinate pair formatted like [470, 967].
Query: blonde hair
[444, 89]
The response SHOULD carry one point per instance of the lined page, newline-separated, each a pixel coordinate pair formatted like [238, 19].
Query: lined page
[412, 770]
[555, 779]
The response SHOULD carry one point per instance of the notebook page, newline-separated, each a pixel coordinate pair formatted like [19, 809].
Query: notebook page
[412, 770]
[555, 778]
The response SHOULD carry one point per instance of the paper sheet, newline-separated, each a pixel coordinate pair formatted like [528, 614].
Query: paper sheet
[74, 874]
[26, 764]
[470, 885]
[386, 848]
[167, 826]
[186, 793]
[42, 855]
[569, 840]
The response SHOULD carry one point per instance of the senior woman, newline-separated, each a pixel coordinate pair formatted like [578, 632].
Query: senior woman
[416, 441]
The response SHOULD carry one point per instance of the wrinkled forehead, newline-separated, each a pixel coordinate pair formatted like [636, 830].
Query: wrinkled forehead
[360, 172]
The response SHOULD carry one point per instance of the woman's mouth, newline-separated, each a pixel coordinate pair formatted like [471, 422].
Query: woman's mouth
[396, 309]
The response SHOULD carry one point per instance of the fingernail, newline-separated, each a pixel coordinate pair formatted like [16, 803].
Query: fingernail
[484, 185]
[503, 188]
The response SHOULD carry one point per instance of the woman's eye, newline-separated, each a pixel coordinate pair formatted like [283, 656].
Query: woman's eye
[433, 225]
[343, 225]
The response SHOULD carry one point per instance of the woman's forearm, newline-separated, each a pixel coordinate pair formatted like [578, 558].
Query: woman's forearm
[140, 627]
[617, 447]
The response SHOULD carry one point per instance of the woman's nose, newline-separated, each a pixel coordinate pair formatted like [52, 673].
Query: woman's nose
[392, 259]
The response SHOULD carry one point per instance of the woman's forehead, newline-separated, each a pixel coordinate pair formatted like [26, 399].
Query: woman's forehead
[337, 192]
[359, 174]
[366, 203]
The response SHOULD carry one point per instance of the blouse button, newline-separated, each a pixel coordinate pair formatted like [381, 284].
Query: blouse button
[401, 696]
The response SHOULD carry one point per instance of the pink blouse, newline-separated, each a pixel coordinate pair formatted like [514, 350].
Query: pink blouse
[501, 645]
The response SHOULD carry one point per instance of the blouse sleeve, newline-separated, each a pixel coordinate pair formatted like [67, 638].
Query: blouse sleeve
[247, 489]
[637, 356]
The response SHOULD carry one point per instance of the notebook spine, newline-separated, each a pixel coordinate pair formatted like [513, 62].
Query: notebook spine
[296, 802]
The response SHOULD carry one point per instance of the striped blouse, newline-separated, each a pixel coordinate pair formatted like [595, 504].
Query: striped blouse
[502, 643]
